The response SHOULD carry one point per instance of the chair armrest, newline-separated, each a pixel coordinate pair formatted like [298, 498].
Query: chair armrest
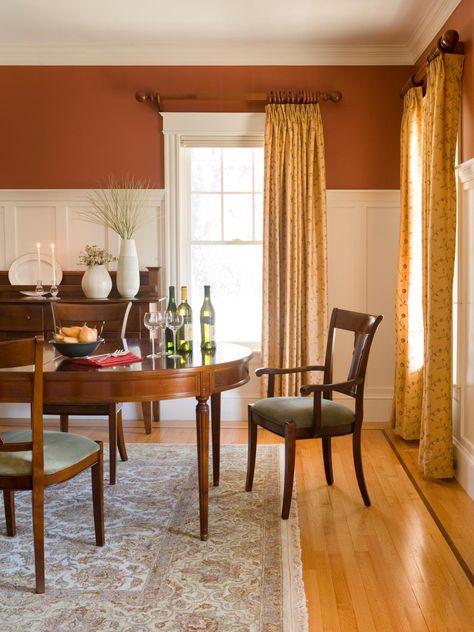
[338, 386]
[301, 369]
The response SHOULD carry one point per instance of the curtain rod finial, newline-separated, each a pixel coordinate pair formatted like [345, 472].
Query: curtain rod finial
[142, 96]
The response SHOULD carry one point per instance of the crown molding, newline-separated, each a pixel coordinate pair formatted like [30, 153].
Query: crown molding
[205, 55]
[240, 54]
[428, 26]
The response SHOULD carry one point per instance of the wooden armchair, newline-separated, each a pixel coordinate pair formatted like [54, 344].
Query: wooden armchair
[109, 317]
[318, 416]
[33, 459]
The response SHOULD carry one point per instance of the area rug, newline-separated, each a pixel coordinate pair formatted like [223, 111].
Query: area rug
[154, 573]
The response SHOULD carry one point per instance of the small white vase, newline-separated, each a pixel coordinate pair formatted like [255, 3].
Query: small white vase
[96, 282]
[128, 271]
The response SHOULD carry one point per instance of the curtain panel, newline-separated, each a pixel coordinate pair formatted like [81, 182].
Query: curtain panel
[409, 349]
[294, 242]
[423, 375]
[441, 109]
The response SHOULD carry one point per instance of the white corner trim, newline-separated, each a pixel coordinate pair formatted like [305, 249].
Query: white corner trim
[464, 467]
[466, 172]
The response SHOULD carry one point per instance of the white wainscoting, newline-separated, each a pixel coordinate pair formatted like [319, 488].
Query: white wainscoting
[362, 254]
[463, 410]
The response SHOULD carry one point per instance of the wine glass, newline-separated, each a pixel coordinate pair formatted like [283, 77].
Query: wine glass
[174, 321]
[153, 322]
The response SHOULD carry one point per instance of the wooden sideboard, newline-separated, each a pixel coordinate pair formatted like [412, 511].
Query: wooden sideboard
[22, 316]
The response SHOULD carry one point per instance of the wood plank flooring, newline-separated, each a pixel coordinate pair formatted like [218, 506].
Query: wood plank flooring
[381, 568]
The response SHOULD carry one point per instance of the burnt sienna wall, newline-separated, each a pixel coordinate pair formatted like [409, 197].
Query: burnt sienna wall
[73, 127]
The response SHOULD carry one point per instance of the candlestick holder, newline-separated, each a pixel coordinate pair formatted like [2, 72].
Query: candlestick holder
[39, 287]
[54, 291]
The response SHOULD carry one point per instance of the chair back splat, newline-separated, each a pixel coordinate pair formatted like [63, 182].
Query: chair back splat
[318, 416]
[109, 318]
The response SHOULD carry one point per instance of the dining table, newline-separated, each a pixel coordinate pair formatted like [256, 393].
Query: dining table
[202, 375]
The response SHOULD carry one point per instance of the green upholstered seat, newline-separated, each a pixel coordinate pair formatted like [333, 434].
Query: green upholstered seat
[300, 410]
[61, 450]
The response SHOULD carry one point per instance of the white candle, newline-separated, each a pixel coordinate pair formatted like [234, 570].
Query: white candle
[53, 282]
[38, 249]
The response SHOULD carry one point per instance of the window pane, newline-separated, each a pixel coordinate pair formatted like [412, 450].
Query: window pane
[258, 166]
[234, 273]
[258, 201]
[205, 169]
[205, 216]
[238, 169]
[238, 216]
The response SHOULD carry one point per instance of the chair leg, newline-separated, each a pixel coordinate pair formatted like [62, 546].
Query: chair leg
[356, 437]
[251, 450]
[122, 448]
[327, 457]
[64, 423]
[147, 410]
[9, 504]
[112, 444]
[97, 474]
[290, 449]
[38, 534]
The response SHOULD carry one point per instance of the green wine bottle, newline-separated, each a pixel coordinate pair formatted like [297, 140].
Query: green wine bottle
[171, 308]
[185, 333]
[208, 321]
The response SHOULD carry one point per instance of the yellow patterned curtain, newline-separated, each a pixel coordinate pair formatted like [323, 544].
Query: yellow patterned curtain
[294, 243]
[440, 127]
[409, 357]
[423, 374]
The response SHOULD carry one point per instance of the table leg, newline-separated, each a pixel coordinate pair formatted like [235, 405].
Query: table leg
[202, 440]
[156, 411]
[216, 436]
[146, 409]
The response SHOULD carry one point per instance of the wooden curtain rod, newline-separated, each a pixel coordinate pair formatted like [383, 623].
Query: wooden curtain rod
[280, 96]
[447, 43]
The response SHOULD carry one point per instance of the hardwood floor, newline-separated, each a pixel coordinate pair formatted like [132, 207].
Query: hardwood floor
[387, 567]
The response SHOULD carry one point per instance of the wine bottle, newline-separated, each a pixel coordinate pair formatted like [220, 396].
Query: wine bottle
[185, 333]
[208, 321]
[171, 308]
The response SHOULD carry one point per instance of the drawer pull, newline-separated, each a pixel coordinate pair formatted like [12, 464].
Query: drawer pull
[28, 317]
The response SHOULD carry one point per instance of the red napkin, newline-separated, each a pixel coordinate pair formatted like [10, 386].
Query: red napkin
[128, 358]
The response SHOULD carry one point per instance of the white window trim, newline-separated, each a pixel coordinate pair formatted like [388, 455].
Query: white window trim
[188, 124]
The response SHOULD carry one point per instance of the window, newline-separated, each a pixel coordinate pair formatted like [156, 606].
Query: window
[225, 217]
[212, 224]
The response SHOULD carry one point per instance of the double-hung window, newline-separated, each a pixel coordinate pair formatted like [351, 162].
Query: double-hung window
[217, 222]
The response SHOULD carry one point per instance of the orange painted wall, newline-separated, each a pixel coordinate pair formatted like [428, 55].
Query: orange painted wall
[462, 21]
[72, 127]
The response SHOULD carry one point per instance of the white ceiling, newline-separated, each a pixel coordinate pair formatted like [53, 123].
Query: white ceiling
[219, 32]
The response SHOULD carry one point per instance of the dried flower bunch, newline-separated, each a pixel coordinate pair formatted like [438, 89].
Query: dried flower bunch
[119, 206]
[95, 256]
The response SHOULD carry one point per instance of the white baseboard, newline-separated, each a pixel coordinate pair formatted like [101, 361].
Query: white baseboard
[464, 467]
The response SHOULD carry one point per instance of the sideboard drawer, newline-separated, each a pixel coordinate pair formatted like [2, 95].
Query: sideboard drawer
[21, 318]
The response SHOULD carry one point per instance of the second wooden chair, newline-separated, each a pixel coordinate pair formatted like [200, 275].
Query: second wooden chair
[110, 318]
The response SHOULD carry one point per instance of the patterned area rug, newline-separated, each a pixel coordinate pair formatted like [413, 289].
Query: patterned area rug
[154, 573]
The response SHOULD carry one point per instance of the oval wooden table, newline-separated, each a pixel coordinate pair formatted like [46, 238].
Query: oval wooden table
[199, 375]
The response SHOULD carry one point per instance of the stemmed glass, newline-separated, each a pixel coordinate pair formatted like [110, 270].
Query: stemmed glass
[153, 321]
[174, 321]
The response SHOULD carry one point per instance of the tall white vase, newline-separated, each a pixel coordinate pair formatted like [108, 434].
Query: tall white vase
[96, 282]
[128, 271]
